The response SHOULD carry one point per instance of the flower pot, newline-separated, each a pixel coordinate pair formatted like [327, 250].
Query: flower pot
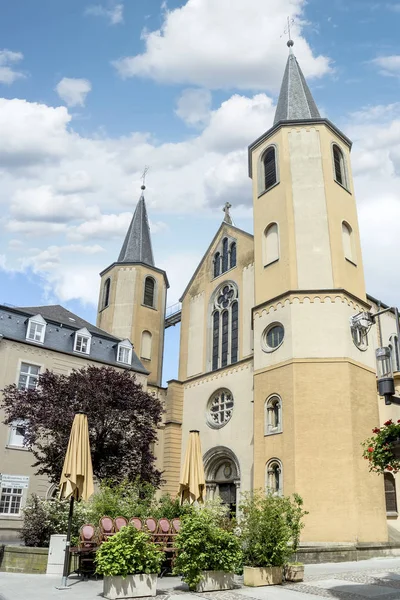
[257, 576]
[294, 572]
[215, 580]
[131, 586]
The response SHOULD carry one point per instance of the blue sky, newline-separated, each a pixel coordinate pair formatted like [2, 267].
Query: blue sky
[90, 93]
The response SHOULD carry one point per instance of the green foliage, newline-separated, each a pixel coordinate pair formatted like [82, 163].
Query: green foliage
[169, 508]
[204, 546]
[126, 499]
[44, 518]
[128, 552]
[271, 527]
[378, 450]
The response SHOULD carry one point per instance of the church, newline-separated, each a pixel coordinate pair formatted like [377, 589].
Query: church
[281, 388]
[280, 385]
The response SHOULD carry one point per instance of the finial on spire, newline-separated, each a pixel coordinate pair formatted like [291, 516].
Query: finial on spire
[227, 218]
[290, 42]
[143, 178]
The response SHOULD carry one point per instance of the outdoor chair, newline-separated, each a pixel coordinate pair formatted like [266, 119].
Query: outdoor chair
[176, 525]
[136, 522]
[151, 525]
[106, 528]
[87, 537]
[120, 522]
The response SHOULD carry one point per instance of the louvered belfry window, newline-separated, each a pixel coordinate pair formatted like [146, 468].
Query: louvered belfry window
[390, 493]
[224, 255]
[269, 162]
[149, 292]
[217, 264]
[232, 255]
[338, 161]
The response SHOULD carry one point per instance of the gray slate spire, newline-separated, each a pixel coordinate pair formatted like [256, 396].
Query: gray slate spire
[295, 99]
[137, 244]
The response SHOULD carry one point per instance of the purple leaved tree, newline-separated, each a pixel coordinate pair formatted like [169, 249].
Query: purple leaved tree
[123, 421]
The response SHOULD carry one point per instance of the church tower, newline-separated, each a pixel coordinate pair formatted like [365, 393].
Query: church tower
[315, 397]
[133, 296]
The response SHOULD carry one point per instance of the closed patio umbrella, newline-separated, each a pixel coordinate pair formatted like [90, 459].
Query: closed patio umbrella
[192, 483]
[77, 475]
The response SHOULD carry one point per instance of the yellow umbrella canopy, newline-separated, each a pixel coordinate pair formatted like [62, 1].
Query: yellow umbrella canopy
[77, 474]
[192, 483]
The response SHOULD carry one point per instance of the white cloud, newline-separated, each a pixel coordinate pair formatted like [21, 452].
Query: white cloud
[73, 91]
[194, 106]
[223, 44]
[8, 59]
[114, 14]
[388, 65]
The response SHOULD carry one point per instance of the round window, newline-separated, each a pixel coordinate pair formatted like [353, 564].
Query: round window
[273, 337]
[219, 409]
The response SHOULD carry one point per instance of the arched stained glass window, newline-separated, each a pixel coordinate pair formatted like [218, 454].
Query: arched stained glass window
[149, 286]
[225, 326]
[215, 341]
[224, 255]
[232, 255]
[269, 162]
[217, 264]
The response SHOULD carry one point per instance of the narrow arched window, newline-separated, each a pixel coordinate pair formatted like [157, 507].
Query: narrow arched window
[339, 165]
[149, 287]
[215, 341]
[348, 242]
[106, 293]
[274, 478]
[224, 255]
[269, 164]
[225, 326]
[217, 264]
[390, 493]
[145, 350]
[235, 332]
[271, 244]
[232, 255]
[273, 415]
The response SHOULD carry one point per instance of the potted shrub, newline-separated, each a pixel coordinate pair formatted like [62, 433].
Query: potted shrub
[271, 528]
[294, 571]
[383, 449]
[208, 555]
[129, 562]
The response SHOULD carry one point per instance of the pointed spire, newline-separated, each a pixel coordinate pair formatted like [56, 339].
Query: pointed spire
[137, 244]
[295, 99]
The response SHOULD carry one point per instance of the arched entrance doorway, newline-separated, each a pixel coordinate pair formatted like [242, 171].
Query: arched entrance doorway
[222, 473]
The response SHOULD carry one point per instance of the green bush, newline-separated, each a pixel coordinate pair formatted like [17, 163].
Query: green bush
[44, 518]
[204, 546]
[129, 552]
[126, 499]
[169, 508]
[270, 527]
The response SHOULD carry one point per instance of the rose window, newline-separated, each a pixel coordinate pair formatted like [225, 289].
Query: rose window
[220, 408]
[227, 293]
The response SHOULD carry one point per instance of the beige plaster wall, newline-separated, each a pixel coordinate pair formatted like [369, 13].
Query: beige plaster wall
[197, 326]
[18, 461]
[237, 434]
[328, 409]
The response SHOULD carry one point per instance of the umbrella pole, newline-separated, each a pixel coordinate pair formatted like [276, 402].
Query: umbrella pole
[67, 545]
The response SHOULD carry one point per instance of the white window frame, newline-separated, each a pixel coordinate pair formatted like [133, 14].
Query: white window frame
[33, 323]
[82, 334]
[126, 346]
[15, 492]
[14, 439]
[28, 375]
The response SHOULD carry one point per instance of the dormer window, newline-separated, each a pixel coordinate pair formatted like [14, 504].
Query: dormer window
[36, 329]
[82, 341]
[124, 352]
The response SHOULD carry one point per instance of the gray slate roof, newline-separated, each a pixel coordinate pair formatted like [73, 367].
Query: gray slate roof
[295, 100]
[137, 244]
[60, 333]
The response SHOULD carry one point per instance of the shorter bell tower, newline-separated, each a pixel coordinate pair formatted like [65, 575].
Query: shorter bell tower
[133, 293]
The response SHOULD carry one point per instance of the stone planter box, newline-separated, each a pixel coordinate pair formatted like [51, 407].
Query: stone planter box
[257, 576]
[131, 586]
[294, 572]
[215, 580]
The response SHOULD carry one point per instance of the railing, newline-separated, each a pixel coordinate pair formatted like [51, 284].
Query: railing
[173, 314]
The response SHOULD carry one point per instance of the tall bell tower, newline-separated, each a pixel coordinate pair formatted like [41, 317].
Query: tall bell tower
[133, 295]
[316, 377]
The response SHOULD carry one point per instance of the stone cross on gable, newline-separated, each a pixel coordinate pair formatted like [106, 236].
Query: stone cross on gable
[227, 217]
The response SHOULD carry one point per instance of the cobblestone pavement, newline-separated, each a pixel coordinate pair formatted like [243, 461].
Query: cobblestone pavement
[367, 580]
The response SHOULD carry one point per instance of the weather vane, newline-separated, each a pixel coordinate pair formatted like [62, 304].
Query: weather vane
[288, 32]
[143, 177]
